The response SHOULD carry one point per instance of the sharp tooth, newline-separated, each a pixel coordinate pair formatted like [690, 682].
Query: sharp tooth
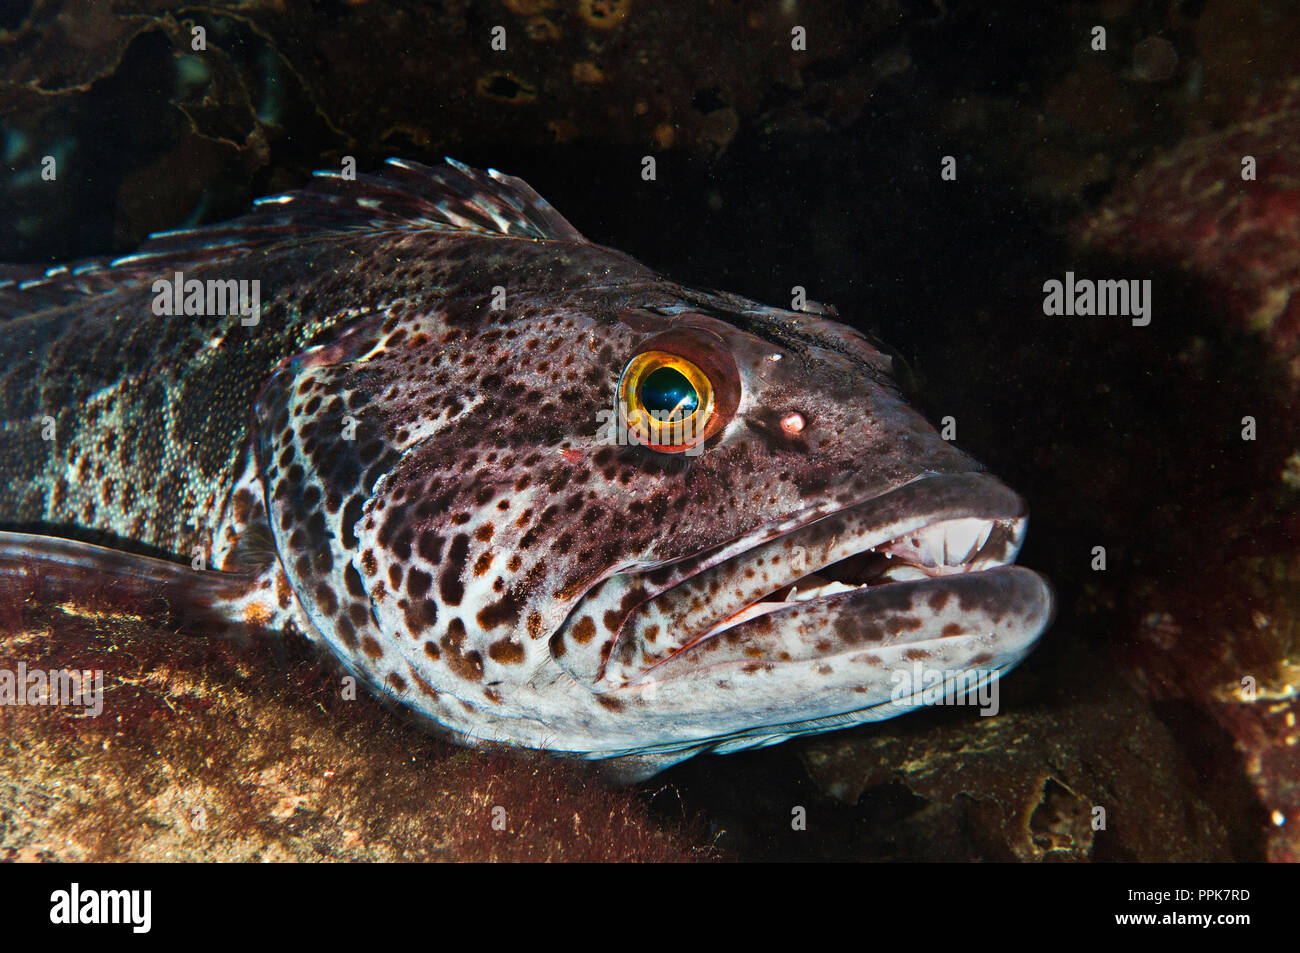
[960, 540]
[931, 548]
[905, 573]
[984, 537]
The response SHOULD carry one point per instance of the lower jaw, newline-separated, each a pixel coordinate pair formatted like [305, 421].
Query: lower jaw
[998, 613]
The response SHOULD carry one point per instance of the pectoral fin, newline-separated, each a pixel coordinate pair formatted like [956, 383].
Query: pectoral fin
[52, 570]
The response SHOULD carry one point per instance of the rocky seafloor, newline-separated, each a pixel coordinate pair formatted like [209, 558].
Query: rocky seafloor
[1165, 694]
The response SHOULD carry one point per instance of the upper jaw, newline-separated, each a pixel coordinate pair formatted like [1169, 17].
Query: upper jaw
[933, 528]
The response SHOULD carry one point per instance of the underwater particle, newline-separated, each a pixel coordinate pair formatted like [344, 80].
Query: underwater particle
[1291, 471]
[603, 14]
[665, 135]
[587, 72]
[541, 29]
[720, 127]
[505, 87]
[1154, 60]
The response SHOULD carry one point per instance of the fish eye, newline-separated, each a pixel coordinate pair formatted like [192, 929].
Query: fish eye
[679, 388]
[666, 401]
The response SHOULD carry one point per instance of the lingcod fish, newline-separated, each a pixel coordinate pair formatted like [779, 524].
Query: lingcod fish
[517, 481]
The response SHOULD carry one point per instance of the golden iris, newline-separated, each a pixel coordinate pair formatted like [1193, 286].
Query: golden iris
[666, 401]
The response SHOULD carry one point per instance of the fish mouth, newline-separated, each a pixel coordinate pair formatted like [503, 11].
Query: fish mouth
[936, 551]
[923, 572]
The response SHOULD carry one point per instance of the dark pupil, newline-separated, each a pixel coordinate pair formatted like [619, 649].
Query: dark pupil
[665, 390]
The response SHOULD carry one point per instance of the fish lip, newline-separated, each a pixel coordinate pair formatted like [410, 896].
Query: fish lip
[925, 505]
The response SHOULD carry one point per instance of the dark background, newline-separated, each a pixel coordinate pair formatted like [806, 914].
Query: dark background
[820, 168]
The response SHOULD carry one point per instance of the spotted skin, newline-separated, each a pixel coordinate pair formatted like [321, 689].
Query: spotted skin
[406, 459]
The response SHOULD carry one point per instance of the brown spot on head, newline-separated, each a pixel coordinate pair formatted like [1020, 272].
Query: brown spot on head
[371, 647]
[468, 665]
[450, 586]
[420, 615]
[584, 631]
[347, 632]
[504, 611]
[326, 599]
[418, 583]
[506, 651]
[353, 580]
[430, 547]
[610, 702]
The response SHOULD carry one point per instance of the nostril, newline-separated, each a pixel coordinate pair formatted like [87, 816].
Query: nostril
[792, 423]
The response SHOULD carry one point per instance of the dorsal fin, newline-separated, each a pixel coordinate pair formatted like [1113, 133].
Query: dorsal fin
[27, 288]
[402, 195]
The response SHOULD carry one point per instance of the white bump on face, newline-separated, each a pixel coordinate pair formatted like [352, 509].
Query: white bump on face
[792, 423]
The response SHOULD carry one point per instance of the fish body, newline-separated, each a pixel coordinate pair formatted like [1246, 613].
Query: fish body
[522, 483]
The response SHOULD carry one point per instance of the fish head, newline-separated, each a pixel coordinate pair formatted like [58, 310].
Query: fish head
[638, 530]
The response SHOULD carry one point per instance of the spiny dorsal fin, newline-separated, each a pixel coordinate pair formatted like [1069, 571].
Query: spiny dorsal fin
[28, 288]
[403, 195]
